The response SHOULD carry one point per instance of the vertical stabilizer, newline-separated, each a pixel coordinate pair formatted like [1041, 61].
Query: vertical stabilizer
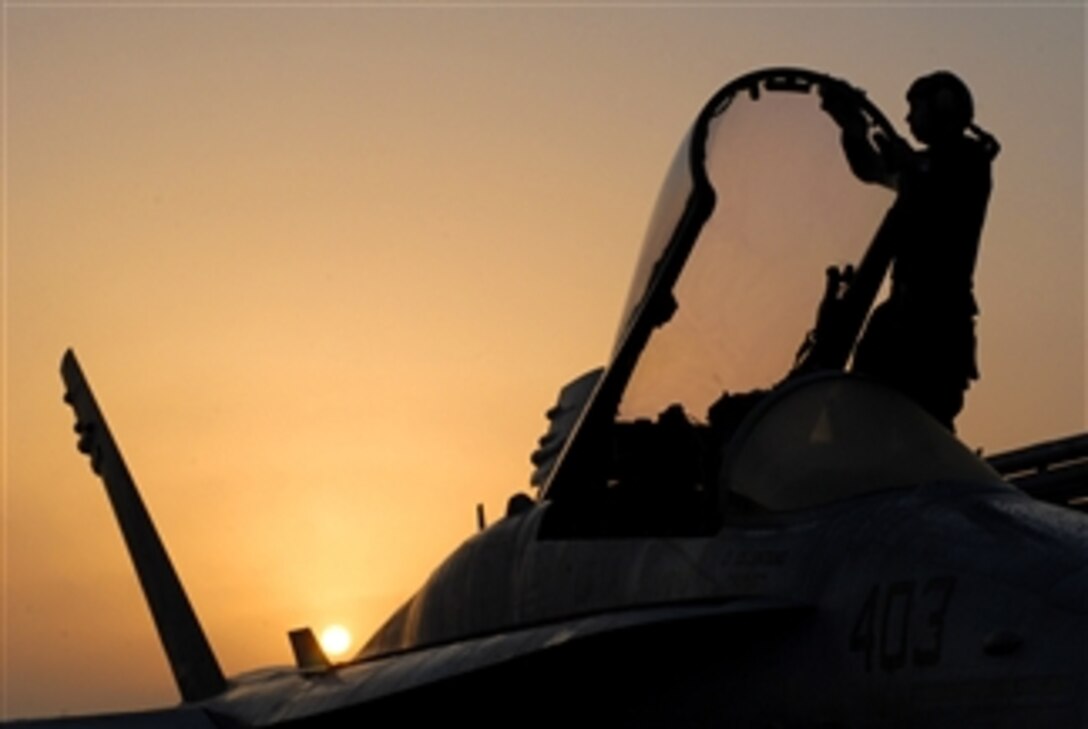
[195, 668]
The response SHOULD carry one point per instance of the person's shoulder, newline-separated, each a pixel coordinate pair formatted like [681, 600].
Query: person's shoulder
[969, 154]
[981, 147]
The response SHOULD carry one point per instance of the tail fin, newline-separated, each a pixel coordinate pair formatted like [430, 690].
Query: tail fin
[196, 671]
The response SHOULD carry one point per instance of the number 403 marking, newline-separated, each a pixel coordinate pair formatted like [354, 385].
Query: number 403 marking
[900, 624]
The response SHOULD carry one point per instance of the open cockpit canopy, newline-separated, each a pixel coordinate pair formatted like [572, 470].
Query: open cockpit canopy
[783, 206]
[758, 203]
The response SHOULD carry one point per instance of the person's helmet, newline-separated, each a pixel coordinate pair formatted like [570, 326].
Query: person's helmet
[948, 98]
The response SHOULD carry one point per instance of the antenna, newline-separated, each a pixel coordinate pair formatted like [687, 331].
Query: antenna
[309, 658]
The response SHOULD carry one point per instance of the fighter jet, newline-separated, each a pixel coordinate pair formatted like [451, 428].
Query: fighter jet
[724, 533]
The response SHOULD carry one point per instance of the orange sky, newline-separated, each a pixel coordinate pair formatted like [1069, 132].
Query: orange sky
[326, 267]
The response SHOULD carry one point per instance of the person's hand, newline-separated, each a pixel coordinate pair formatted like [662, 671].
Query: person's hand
[842, 103]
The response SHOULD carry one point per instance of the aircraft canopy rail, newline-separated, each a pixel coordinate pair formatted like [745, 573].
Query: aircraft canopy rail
[758, 202]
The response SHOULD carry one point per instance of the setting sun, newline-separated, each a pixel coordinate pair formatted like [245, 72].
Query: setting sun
[335, 640]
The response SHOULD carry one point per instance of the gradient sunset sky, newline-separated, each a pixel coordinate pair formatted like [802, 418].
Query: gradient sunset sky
[327, 264]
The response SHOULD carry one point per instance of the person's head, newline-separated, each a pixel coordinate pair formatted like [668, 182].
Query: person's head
[940, 107]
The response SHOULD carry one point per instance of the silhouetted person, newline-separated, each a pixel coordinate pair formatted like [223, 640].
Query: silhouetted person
[922, 338]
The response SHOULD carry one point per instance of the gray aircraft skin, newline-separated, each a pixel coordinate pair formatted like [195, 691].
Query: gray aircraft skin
[724, 535]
